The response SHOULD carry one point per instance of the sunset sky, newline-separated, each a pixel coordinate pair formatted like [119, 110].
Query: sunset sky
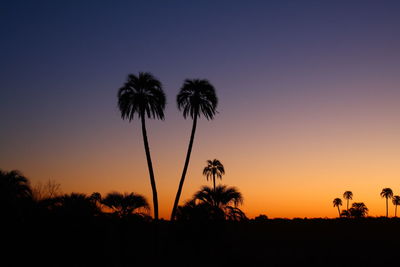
[309, 98]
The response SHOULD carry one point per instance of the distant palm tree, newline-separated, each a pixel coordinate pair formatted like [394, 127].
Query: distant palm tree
[196, 97]
[396, 202]
[348, 195]
[125, 204]
[143, 95]
[337, 202]
[387, 193]
[214, 169]
[358, 210]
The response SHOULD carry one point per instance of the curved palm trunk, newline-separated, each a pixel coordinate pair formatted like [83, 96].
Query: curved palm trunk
[178, 194]
[338, 209]
[150, 166]
[395, 210]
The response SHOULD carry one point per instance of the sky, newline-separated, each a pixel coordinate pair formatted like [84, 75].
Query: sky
[308, 98]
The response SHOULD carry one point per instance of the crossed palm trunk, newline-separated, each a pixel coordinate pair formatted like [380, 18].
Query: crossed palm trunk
[182, 180]
[150, 166]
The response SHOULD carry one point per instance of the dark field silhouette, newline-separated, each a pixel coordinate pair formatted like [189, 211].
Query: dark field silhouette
[73, 230]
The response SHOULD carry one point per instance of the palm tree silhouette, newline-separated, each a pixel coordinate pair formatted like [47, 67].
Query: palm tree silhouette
[214, 169]
[125, 204]
[337, 202]
[348, 195]
[222, 200]
[358, 210]
[387, 193]
[196, 97]
[143, 95]
[396, 202]
[208, 203]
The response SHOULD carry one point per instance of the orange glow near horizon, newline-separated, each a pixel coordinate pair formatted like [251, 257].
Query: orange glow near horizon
[289, 169]
[308, 91]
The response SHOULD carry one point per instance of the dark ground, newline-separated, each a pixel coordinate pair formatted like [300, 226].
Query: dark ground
[108, 241]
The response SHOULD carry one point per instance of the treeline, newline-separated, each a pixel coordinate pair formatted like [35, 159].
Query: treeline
[359, 209]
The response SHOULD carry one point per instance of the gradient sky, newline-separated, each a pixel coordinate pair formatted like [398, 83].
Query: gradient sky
[309, 98]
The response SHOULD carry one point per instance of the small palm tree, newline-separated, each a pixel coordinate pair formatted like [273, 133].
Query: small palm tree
[221, 197]
[214, 169]
[387, 193]
[208, 203]
[196, 97]
[337, 202]
[126, 204]
[348, 195]
[396, 202]
[358, 210]
[143, 95]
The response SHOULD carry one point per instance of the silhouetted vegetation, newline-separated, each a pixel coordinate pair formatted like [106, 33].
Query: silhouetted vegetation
[337, 202]
[214, 169]
[90, 230]
[143, 96]
[387, 193]
[348, 195]
[196, 98]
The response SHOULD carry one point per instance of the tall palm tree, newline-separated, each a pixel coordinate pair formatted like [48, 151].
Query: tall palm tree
[337, 202]
[143, 95]
[196, 97]
[396, 202]
[348, 195]
[387, 193]
[214, 169]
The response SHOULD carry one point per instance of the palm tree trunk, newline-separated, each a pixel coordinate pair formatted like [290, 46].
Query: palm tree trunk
[214, 180]
[395, 210]
[338, 210]
[189, 151]
[387, 207]
[347, 204]
[150, 165]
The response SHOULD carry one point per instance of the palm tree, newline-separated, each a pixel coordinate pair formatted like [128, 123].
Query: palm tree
[358, 210]
[387, 193]
[196, 97]
[337, 202]
[396, 202]
[143, 95]
[222, 200]
[213, 204]
[214, 169]
[348, 195]
[125, 204]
